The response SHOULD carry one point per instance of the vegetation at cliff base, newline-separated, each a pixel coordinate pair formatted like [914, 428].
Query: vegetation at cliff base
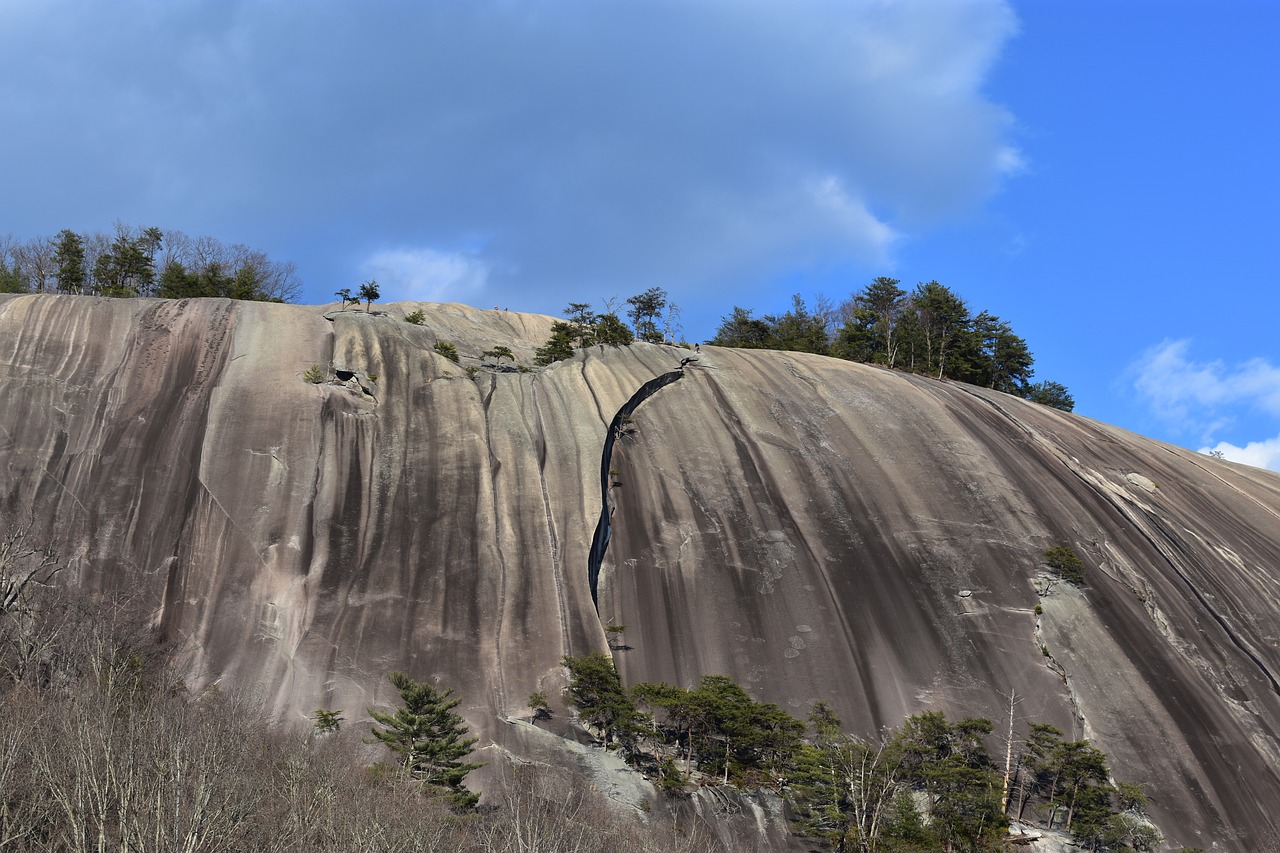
[105, 747]
[428, 737]
[929, 785]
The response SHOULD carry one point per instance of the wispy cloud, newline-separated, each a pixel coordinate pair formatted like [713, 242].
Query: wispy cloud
[1205, 397]
[427, 275]
[1174, 383]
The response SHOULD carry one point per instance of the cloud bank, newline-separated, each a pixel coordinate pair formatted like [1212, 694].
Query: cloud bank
[586, 146]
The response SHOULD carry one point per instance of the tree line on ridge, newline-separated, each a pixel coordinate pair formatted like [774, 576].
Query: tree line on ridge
[144, 262]
[929, 330]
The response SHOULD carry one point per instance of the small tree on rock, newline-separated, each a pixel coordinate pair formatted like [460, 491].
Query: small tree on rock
[369, 293]
[448, 350]
[429, 738]
[611, 331]
[1053, 394]
[1065, 563]
[498, 353]
[558, 347]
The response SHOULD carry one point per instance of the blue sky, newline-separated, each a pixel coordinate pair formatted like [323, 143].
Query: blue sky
[1103, 175]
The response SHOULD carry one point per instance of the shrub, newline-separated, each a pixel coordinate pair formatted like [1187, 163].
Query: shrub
[1066, 564]
[539, 705]
[416, 317]
[315, 374]
[327, 721]
[447, 350]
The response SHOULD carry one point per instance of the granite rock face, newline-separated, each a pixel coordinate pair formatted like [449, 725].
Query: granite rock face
[813, 528]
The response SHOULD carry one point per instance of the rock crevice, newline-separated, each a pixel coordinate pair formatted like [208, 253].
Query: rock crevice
[604, 531]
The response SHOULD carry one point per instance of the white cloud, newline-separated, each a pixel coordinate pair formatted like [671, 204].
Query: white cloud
[597, 146]
[851, 216]
[427, 275]
[1205, 398]
[1173, 383]
[1010, 161]
[1260, 454]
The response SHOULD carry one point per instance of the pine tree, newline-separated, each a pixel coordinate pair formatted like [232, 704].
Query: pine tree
[645, 310]
[429, 738]
[558, 347]
[369, 293]
[595, 688]
[611, 331]
[69, 257]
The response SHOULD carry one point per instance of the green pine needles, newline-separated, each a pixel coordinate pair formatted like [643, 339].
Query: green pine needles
[429, 738]
[1066, 564]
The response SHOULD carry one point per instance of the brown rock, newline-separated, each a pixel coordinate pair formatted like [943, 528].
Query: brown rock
[807, 526]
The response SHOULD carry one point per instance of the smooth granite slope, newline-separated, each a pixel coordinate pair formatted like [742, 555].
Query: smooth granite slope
[814, 528]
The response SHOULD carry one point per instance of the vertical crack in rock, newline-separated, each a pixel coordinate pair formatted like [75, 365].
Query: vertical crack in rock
[1078, 716]
[600, 541]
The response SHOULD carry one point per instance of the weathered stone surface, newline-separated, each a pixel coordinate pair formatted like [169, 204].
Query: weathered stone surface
[814, 528]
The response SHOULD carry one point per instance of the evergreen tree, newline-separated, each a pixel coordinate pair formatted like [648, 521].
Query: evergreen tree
[498, 353]
[69, 259]
[1049, 394]
[799, 330]
[611, 331]
[943, 317]
[447, 349]
[856, 339]
[429, 738]
[1004, 359]
[877, 309]
[369, 293]
[127, 268]
[1079, 770]
[1066, 563]
[740, 329]
[582, 320]
[646, 309]
[558, 347]
[596, 689]
[1034, 761]
[11, 280]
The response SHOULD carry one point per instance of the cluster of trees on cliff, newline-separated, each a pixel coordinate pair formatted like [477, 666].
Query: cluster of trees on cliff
[143, 262]
[654, 319]
[928, 785]
[929, 330]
